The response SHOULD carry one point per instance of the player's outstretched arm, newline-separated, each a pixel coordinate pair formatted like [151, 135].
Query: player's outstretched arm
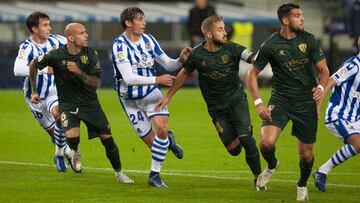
[180, 80]
[252, 85]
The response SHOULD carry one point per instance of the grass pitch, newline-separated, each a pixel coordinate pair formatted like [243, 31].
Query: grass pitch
[206, 174]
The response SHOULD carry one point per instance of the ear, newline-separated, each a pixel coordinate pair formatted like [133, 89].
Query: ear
[208, 35]
[285, 20]
[128, 23]
[34, 29]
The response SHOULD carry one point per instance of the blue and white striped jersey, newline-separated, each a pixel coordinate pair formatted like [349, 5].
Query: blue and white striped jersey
[344, 102]
[28, 50]
[141, 57]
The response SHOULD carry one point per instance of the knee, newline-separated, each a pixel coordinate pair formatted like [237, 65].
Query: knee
[162, 131]
[265, 145]
[306, 156]
[235, 151]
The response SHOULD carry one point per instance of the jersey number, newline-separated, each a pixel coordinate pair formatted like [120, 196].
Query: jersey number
[37, 115]
[135, 120]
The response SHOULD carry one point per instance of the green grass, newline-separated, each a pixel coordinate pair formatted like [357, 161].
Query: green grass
[206, 174]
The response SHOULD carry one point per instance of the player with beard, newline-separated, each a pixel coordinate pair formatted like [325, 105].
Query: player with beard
[217, 62]
[296, 94]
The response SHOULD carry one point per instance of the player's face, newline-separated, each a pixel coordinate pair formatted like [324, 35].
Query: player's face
[219, 35]
[138, 25]
[296, 20]
[80, 36]
[43, 30]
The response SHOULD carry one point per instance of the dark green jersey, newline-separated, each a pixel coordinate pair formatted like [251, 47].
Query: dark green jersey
[218, 73]
[72, 91]
[292, 64]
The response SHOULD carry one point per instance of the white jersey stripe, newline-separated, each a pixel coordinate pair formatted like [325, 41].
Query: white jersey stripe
[344, 102]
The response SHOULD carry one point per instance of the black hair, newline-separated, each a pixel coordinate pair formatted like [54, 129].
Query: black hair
[33, 19]
[285, 9]
[129, 14]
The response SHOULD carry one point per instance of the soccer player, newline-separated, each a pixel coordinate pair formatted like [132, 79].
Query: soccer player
[217, 62]
[77, 74]
[342, 115]
[46, 112]
[295, 95]
[133, 55]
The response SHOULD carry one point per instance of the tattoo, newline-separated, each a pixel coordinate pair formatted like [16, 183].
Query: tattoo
[90, 80]
[32, 76]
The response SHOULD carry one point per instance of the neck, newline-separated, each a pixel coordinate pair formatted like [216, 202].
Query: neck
[73, 49]
[37, 39]
[211, 47]
[131, 36]
[286, 33]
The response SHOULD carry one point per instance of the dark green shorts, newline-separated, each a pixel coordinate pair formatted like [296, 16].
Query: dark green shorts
[232, 122]
[92, 115]
[303, 116]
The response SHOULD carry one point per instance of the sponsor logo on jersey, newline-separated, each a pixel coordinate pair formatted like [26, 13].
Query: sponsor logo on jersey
[84, 59]
[22, 53]
[203, 63]
[282, 52]
[225, 58]
[219, 128]
[302, 47]
[343, 72]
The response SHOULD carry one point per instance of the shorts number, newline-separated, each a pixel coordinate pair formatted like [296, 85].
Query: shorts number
[37, 115]
[135, 120]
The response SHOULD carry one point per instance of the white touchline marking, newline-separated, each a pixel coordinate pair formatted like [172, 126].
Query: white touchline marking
[185, 173]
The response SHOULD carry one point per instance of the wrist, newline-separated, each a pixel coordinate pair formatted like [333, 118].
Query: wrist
[321, 88]
[258, 101]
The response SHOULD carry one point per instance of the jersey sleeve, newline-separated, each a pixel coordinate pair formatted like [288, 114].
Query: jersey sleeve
[238, 51]
[119, 53]
[262, 57]
[347, 71]
[95, 67]
[24, 57]
[189, 64]
[316, 52]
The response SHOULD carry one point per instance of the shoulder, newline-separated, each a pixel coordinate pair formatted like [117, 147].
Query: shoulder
[307, 35]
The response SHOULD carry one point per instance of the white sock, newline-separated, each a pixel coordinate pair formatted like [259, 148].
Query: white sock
[343, 154]
[60, 141]
[159, 149]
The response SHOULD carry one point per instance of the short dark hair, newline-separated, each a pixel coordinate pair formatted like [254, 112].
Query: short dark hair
[285, 9]
[33, 19]
[208, 22]
[129, 14]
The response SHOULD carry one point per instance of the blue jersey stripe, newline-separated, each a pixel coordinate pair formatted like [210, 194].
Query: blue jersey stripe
[140, 88]
[40, 83]
[156, 46]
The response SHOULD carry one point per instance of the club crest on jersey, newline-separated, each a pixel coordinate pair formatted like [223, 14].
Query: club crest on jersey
[302, 47]
[84, 59]
[225, 58]
[64, 121]
[121, 56]
[63, 62]
[148, 45]
[282, 52]
[40, 58]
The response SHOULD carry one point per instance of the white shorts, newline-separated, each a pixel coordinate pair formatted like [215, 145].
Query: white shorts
[343, 129]
[140, 111]
[42, 110]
